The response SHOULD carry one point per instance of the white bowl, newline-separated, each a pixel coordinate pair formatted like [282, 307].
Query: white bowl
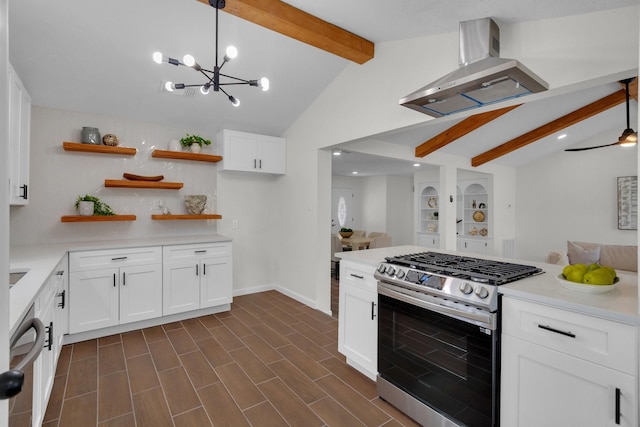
[585, 287]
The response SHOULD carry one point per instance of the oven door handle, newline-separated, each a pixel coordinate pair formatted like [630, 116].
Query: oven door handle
[486, 319]
[11, 381]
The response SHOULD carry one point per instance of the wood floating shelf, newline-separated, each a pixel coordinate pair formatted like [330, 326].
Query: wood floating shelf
[123, 183]
[183, 217]
[183, 155]
[97, 218]
[94, 148]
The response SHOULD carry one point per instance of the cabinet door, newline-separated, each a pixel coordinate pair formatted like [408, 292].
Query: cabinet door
[180, 287]
[44, 367]
[140, 293]
[240, 151]
[428, 241]
[272, 155]
[93, 299]
[19, 129]
[358, 333]
[60, 306]
[215, 281]
[476, 246]
[543, 387]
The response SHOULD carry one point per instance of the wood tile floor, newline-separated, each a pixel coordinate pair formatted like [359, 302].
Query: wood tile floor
[270, 361]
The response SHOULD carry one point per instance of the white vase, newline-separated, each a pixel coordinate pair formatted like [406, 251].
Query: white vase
[195, 148]
[85, 208]
[174, 145]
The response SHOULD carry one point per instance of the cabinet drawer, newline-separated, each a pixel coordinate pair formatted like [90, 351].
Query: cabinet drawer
[185, 252]
[359, 275]
[91, 260]
[602, 341]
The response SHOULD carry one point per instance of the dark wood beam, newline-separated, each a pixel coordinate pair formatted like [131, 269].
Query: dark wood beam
[292, 22]
[550, 128]
[466, 126]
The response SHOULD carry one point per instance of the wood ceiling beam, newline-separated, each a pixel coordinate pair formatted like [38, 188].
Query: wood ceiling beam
[563, 122]
[466, 126]
[633, 89]
[302, 26]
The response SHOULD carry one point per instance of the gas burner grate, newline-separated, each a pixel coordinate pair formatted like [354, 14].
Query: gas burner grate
[476, 269]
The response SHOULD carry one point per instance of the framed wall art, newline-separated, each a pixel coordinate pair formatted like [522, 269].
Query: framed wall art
[627, 203]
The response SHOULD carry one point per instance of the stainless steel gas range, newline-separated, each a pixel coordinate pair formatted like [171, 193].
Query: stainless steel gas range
[438, 336]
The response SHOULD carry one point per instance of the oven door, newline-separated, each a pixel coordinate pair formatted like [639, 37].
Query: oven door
[434, 365]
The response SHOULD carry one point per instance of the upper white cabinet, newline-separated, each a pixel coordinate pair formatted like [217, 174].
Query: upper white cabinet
[19, 135]
[248, 152]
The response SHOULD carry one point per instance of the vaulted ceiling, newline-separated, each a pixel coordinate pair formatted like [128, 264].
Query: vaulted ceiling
[96, 57]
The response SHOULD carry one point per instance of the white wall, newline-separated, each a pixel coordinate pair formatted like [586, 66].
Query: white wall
[373, 203]
[572, 196]
[400, 210]
[58, 177]
[556, 49]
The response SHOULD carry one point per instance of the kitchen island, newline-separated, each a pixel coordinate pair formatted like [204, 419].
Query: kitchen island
[555, 342]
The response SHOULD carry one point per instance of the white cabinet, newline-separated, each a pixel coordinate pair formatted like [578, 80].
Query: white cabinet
[61, 305]
[358, 317]
[428, 240]
[196, 276]
[19, 136]
[471, 245]
[561, 368]
[248, 152]
[113, 287]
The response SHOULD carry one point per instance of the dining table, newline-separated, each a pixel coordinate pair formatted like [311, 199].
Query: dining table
[356, 242]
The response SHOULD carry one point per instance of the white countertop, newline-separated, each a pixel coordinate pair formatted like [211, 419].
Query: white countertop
[621, 304]
[41, 260]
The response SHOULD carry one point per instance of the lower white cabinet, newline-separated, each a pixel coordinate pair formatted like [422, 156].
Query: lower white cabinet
[476, 246]
[429, 240]
[358, 317]
[196, 276]
[563, 368]
[123, 293]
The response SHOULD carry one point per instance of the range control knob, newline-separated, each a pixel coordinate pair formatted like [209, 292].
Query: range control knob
[482, 292]
[381, 268]
[400, 274]
[466, 288]
[390, 271]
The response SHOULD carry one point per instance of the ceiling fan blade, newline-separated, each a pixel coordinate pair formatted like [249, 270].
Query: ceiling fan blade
[591, 148]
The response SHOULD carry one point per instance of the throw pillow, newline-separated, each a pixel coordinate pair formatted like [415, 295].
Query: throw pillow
[583, 253]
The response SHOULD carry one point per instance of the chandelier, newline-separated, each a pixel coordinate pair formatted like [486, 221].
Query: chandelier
[212, 77]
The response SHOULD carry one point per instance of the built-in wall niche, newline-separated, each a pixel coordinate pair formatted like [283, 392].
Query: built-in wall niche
[473, 211]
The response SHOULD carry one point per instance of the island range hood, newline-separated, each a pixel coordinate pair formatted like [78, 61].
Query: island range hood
[482, 79]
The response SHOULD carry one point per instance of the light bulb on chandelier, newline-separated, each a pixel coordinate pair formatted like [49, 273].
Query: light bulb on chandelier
[213, 77]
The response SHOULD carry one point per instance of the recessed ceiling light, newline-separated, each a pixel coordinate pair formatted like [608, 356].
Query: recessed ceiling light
[337, 153]
[562, 136]
[354, 173]
[417, 165]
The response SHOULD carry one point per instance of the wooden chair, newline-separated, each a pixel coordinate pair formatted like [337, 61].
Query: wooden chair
[336, 246]
[380, 242]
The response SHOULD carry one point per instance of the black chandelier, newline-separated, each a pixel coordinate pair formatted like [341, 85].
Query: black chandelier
[213, 77]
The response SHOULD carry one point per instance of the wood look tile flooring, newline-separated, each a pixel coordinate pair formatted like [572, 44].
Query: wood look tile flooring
[270, 361]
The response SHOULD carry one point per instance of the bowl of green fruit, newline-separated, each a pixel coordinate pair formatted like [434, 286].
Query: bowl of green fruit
[594, 278]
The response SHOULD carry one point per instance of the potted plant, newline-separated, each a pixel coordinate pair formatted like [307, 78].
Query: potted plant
[90, 205]
[195, 142]
[345, 232]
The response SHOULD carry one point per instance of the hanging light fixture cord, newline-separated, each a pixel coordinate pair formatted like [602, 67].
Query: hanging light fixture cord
[213, 77]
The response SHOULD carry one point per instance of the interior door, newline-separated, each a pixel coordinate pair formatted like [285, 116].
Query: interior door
[341, 209]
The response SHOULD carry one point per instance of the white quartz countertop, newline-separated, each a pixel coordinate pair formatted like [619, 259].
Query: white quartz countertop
[621, 304]
[40, 262]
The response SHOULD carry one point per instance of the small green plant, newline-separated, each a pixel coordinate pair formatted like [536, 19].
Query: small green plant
[194, 139]
[99, 208]
[346, 230]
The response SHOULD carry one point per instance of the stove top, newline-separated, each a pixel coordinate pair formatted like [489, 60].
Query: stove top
[463, 267]
[452, 279]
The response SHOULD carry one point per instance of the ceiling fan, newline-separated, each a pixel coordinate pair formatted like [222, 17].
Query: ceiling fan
[628, 138]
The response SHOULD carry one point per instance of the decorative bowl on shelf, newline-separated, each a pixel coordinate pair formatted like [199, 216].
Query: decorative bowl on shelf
[346, 234]
[478, 216]
[195, 203]
[432, 202]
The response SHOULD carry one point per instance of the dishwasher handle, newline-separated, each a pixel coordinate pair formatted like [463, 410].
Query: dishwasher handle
[11, 381]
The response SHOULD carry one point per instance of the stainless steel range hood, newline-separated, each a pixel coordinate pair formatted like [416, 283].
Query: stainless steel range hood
[483, 77]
